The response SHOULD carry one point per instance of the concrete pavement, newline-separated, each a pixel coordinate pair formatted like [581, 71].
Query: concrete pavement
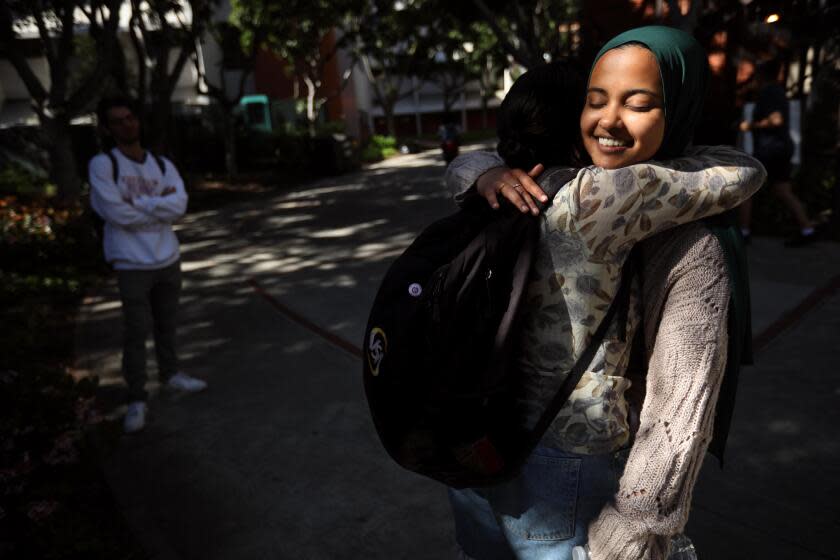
[278, 459]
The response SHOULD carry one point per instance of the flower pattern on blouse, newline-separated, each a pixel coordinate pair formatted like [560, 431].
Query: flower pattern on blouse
[586, 235]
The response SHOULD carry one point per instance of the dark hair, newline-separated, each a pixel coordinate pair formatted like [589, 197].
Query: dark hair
[107, 103]
[538, 121]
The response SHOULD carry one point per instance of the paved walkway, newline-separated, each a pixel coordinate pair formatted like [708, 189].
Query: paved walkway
[278, 459]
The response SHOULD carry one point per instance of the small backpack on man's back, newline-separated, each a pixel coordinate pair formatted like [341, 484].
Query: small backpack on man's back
[438, 345]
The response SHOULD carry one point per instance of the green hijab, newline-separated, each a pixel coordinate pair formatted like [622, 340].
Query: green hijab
[684, 72]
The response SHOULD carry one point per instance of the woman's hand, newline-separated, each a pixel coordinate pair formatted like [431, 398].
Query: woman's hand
[515, 185]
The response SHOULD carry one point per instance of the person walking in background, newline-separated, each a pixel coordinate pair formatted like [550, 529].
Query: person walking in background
[450, 138]
[774, 148]
[139, 196]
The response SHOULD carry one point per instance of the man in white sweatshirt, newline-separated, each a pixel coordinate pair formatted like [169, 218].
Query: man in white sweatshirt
[140, 195]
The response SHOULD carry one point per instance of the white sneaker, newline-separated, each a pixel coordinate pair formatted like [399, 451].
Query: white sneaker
[135, 417]
[185, 383]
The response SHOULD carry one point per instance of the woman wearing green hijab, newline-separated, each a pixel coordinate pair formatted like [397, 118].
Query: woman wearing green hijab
[643, 99]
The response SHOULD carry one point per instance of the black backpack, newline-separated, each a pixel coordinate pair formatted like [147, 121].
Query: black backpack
[98, 222]
[437, 346]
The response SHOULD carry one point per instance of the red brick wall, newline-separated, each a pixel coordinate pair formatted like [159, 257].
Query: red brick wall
[273, 78]
[270, 77]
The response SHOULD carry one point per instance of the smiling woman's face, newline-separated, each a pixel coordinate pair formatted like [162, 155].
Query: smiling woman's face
[623, 121]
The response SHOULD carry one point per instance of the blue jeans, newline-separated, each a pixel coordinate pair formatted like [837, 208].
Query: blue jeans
[542, 513]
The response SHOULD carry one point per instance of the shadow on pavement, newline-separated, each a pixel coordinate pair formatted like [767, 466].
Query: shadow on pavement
[278, 458]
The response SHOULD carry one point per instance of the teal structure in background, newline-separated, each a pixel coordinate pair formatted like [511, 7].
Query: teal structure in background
[261, 113]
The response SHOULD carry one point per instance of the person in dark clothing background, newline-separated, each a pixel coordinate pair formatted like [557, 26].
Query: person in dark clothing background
[774, 148]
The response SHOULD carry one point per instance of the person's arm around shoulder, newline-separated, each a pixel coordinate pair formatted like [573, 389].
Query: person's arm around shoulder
[463, 171]
[487, 174]
[171, 204]
[107, 200]
[616, 207]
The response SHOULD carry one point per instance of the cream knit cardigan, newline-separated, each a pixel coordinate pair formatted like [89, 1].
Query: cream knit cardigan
[686, 301]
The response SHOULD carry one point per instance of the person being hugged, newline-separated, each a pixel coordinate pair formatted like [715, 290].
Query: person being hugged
[643, 99]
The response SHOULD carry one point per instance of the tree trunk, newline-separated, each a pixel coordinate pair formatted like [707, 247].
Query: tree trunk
[63, 168]
[485, 117]
[390, 122]
[229, 125]
[158, 125]
[311, 115]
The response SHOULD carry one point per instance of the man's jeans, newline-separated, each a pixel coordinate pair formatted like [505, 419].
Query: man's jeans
[145, 295]
[542, 513]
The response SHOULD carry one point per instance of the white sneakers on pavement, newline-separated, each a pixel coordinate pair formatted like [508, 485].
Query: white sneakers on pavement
[183, 382]
[135, 417]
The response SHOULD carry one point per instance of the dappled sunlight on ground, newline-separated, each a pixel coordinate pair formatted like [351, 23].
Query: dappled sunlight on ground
[363, 221]
[261, 446]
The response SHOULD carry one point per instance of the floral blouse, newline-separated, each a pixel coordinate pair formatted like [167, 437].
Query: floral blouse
[586, 235]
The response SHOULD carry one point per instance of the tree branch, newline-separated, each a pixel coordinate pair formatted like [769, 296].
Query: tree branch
[137, 42]
[520, 55]
[181, 62]
[525, 28]
[46, 40]
[107, 46]
[65, 51]
[7, 38]
[88, 13]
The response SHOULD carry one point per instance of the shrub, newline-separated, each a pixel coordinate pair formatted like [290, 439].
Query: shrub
[379, 147]
[15, 180]
[49, 256]
[54, 502]
[297, 155]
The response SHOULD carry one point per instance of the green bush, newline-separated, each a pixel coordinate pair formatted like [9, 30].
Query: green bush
[370, 154]
[54, 502]
[15, 180]
[378, 148]
[297, 155]
[50, 255]
[331, 127]
[48, 252]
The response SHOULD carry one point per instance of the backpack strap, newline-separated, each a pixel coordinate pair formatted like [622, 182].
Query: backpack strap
[739, 323]
[632, 269]
[582, 363]
[161, 163]
[115, 167]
